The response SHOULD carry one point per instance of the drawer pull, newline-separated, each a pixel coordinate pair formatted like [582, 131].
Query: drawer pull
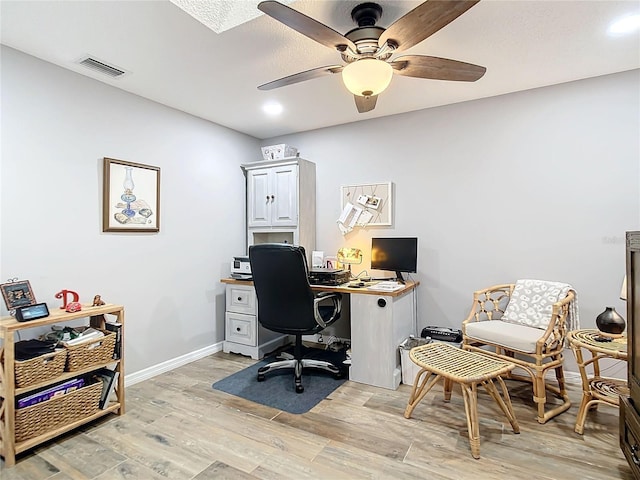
[634, 454]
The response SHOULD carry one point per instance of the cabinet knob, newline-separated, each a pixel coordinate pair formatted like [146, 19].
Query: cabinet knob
[237, 329]
[273, 197]
[239, 299]
[267, 198]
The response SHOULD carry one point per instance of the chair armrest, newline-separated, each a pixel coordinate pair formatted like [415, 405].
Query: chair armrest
[489, 303]
[556, 333]
[336, 299]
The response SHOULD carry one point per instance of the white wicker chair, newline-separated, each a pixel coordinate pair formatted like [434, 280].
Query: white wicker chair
[535, 349]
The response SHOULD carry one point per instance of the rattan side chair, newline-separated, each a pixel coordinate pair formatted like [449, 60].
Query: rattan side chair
[536, 350]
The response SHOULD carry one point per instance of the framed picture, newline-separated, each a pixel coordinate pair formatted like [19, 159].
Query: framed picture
[131, 197]
[372, 202]
[17, 294]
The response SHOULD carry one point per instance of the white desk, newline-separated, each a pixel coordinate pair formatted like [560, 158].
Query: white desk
[380, 322]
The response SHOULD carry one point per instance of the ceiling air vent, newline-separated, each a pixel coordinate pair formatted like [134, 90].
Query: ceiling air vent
[101, 67]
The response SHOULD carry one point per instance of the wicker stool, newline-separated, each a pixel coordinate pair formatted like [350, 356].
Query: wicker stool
[468, 369]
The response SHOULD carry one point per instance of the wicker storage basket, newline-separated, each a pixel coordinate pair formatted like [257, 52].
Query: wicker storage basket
[57, 411]
[40, 369]
[91, 353]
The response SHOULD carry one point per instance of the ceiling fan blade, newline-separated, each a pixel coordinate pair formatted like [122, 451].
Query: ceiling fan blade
[301, 77]
[423, 21]
[306, 25]
[437, 68]
[365, 104]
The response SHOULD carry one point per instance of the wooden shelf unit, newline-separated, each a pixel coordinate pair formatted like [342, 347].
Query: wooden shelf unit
[9, 448]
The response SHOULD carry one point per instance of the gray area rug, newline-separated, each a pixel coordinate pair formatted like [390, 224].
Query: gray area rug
[278, 388]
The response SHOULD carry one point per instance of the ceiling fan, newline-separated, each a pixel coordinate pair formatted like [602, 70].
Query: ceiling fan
[367, 49]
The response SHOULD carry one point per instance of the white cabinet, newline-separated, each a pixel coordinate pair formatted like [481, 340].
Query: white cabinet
[243, 333]
[281, 208]
[272, 196]
[379, 324]
[281, 202]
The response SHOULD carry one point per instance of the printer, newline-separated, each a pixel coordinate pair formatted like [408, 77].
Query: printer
[241, 268]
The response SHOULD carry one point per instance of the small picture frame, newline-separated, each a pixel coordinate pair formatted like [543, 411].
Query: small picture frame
[17, 294]
[373, 202]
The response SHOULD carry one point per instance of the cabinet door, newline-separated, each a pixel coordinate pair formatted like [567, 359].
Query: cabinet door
[259, 198]
[379, 324]
[284, 208]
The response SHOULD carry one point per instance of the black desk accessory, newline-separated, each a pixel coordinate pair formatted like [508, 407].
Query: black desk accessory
[32, 312]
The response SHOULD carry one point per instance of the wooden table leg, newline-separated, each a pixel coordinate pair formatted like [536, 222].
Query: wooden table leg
[470, 396]
[581, 417]
[448, 386]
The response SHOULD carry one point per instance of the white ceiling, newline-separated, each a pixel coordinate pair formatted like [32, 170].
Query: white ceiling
[172, 58]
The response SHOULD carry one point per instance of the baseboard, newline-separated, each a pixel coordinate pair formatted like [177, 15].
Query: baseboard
[572, 378]
[163, 367]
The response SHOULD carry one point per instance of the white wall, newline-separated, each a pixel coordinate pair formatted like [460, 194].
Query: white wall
[57, 126]
[538, 184]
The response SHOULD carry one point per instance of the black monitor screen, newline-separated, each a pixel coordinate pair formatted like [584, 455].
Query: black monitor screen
[395, 254]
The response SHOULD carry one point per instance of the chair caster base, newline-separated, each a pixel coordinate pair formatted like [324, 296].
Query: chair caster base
[299, 388]
[261, 378]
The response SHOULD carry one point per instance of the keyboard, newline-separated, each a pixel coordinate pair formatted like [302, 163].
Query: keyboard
[386, 286]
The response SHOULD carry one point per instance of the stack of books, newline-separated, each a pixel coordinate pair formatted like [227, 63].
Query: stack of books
[109, 379]
[47, 393]
[115, 327]
[88, 335]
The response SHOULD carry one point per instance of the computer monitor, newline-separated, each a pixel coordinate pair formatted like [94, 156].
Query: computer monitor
[395, 254]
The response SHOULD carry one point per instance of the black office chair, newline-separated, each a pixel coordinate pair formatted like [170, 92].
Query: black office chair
[286, 304]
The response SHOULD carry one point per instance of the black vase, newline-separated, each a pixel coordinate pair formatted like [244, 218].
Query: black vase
[610, 323]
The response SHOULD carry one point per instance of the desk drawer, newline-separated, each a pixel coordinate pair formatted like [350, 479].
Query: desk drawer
[241, 299]
[240, 328]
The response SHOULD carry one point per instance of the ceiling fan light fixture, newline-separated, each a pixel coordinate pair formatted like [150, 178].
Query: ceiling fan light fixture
[367, 77]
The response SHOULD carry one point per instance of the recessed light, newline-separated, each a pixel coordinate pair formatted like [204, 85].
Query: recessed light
[272, 108]
[625, 25]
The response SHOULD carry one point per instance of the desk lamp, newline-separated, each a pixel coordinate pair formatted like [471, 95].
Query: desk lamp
[350, 256]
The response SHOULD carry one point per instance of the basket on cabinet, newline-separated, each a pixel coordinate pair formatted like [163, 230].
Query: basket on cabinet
[59, 410]
[90, 353]
[39, 369]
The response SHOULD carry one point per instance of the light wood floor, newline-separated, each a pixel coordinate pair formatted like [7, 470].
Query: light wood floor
[178, 427]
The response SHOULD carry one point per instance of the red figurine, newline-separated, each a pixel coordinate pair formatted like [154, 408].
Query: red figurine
[75, 298]
[73, 307]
